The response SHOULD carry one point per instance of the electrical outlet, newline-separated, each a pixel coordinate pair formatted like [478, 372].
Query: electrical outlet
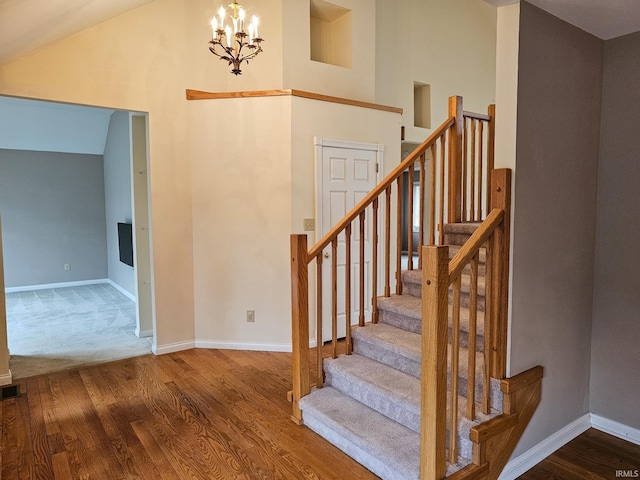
[67, 267]
[309, 224]
[251, 316]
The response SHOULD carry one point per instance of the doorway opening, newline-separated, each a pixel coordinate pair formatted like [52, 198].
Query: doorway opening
[69, 174]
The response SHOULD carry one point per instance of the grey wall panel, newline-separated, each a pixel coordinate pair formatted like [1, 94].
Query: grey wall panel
[53, 213]
[615, 371]
[118, 195]
[559, 93]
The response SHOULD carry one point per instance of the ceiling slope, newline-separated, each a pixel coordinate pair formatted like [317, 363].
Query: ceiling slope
[26, 25]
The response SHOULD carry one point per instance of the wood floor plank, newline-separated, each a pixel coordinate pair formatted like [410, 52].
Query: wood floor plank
[594, 455]
[205, 414]
[61, 468]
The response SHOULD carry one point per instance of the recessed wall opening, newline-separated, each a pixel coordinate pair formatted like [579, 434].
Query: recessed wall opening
[331, 34]
[421, 105]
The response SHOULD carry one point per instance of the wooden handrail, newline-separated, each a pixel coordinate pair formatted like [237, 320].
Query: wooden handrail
[379, 189]
[477, 116]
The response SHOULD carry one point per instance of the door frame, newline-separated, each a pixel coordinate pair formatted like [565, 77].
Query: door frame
[320, 144]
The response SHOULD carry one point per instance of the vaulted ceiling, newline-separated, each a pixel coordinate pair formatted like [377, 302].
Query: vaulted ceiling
[26, 25]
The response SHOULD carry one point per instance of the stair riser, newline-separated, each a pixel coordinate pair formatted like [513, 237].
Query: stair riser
[414, 290]
[455, 238]
[411, 366]
[412, 325]
[403, 414]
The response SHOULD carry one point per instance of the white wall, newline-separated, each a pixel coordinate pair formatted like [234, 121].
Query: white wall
[448, 45]
[117, 192]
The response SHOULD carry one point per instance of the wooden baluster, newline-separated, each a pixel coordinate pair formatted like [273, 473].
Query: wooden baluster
[480, 169]
[347, 285]
[361, 271]
[488, 329]
[319, 339]
[432, 196]
[442, 191]
[473, 324]
[455, 370]
[465, 167]
[387, 241]
[422, 200]
[491, 138]
[374, 263]
[334, 298]
[472, 174]
[300, 322]
[399, 239]
[434, 338]
[410, 218]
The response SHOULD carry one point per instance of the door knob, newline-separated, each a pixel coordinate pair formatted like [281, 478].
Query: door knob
[326, 254]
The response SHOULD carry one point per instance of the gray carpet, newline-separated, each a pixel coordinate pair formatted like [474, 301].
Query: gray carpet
[57, 329]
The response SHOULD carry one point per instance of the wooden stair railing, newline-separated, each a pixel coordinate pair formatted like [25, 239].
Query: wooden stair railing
[450, 166]
[438, 275]
[459, 155]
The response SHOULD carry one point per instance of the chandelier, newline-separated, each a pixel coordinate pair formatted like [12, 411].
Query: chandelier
[231, 42]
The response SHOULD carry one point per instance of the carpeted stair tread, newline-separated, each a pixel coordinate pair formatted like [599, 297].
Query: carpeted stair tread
[399, 349]
[385, 447]
[412, 280]
[392, 346]
[391, 392]
[461, 228]
[405, 312]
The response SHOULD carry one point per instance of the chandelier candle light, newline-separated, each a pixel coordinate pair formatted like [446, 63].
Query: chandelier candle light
[232, 38]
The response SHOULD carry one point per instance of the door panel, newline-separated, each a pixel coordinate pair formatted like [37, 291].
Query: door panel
[348, 175]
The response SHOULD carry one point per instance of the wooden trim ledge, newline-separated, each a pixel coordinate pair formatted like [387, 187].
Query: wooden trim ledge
[200, 95]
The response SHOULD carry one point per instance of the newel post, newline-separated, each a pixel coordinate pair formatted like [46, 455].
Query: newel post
[454, 211]
[299, 322]
[500, 198]
[433, 417]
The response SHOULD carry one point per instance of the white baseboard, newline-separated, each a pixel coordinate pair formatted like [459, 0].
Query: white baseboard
[529, 459]
[129, 295]
[616, 429]
[143, 333]
[172, 347]
[6, 379]
[256, 347]
[81, 283]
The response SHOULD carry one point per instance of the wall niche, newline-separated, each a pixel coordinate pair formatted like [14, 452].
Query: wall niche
[331, 34]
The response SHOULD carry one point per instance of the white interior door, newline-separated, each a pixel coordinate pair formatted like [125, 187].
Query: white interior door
[347, 175]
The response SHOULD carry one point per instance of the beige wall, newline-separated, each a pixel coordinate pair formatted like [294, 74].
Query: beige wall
[300, 72]
[559, 89]
[448, 45]
[241, 200]
[143, 61]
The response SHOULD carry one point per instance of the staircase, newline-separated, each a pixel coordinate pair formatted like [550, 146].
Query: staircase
[419, 390]
[370, 404]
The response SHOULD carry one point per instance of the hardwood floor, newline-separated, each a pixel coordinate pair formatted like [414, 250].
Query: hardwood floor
[204, 414]
[594, 455]
[198, 414]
